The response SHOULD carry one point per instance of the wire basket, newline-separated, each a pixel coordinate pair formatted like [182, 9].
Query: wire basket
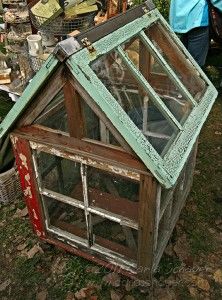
[10, 188]
[36, 62]
[60, 26]
[14, 2]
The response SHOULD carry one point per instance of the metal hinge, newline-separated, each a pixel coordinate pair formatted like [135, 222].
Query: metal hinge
[88, 45]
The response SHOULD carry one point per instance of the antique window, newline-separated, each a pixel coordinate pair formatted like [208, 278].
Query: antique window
[85, 203]
[148, 85]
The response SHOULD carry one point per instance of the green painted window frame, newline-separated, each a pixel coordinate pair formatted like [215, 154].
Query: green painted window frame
[167, 168]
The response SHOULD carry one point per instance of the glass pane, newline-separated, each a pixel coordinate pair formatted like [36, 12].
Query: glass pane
[177, 60]
[91, 122]
[60, 175]
[113, 236]
[134, 100]
[155, 74]
[54, 115]
[66, 217]
[113, 193]
[95, 129]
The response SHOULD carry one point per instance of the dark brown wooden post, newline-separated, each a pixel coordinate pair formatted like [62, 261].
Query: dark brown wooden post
[147, 215]
[74, 111]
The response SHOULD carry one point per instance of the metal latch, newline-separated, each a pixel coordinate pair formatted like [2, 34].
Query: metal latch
[88, 45]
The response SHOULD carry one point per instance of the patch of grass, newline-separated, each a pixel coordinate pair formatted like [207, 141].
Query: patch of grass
[76, 277]
[16, 228]
[26, 271]
[167, 266]
[201, 241]
[201, 210]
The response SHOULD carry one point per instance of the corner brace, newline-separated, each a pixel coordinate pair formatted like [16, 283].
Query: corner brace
[66, 48]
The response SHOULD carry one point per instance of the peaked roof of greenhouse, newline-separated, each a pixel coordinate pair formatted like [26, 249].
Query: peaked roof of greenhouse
[79, 53]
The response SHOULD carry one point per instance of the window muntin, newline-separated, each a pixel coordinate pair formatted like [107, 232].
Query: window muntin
[113, 193]
[60, 175]
[175, 58]
[116, 237]
[158, 78]
[71, 211]
[65, 217]
[94, 128]
[135, 101]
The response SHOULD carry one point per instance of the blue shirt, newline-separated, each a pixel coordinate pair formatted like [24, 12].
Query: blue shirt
[188, 14]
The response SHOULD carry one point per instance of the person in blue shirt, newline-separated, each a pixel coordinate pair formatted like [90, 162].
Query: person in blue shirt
[190, 18]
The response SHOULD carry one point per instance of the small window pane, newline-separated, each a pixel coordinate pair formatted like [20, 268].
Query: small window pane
[96, 129]
[177, 60]
[113, 236]
[66, 217]
[155, 74]
[134, 100]
[54, 115]
[113, 193]
[60, 175]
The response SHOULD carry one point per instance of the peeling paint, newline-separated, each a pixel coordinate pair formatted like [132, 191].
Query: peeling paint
[27, 178]
[24, 160]
[28, 192]
[38, 233]
[14, 140]
[34, 214]
[87, 161]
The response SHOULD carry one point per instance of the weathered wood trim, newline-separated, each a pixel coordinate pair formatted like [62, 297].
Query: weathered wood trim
[147, 216]
[84, 159]
[157, 218]
[45, 95]
[100, 258]
[76, 146]
[103, 29]
[163, 240]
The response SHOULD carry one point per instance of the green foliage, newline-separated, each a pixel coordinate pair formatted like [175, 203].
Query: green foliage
[163, 6]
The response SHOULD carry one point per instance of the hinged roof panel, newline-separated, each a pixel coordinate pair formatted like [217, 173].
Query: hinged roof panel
[139, 74]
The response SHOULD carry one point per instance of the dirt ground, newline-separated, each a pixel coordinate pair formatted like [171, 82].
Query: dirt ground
[191, 267]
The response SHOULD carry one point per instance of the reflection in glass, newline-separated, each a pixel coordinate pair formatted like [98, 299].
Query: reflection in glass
[65, 217]
[134, 100]
[60, 175]
[113, 236]
[157, 77]
[113, 193]
[95, 129]
[177, 61]
[54, 115]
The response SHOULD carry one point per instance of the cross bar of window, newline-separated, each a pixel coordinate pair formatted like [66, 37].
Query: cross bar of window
[154, 96]
[172, 75]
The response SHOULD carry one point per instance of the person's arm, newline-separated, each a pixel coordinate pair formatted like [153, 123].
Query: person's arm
[217, 4]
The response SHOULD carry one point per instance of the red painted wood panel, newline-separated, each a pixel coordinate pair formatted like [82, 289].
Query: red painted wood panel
[24, 163]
